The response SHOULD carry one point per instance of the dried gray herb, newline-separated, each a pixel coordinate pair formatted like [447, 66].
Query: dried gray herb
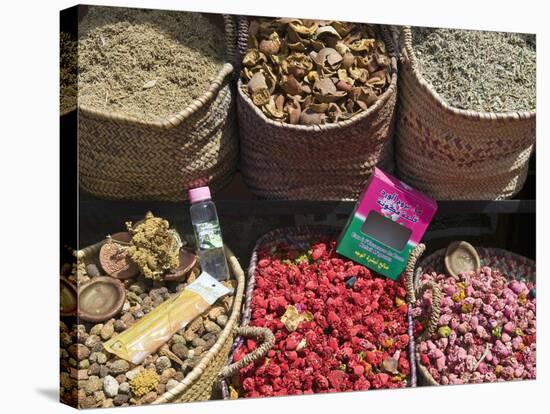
[479, 70]
[148, 64]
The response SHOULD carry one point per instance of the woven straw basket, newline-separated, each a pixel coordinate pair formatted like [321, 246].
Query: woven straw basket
[125, 158]
[203, 380]
[455, 154]
[316, 162]
[511, 265]
[300, 237]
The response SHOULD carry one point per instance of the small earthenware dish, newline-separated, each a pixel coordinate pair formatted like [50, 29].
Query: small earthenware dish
[100, 299]
[114, 259]
[68, 301]
[188, 260]
[461, 257]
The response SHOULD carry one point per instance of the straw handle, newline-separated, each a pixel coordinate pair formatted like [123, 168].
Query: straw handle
[231, 39]
[435, 309]
[409, 271]
[413, 294]
[407, 40]
[268, 339]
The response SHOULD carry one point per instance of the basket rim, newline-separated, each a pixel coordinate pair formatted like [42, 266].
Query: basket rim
[410, 63]
[172, 121]
[380, 102]
[502, 252]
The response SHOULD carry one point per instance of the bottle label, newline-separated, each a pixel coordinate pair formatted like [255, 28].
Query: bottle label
[209, 235]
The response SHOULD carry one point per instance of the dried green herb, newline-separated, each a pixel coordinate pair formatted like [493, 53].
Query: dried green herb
[148, 64]
[313, 72]
[478, 70]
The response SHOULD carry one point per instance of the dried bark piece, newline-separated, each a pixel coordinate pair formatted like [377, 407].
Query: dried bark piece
[270, 46]
[253, 57]
[327, 31]
[257, 87]
[294, 110]
[308, 117]
[291, 85]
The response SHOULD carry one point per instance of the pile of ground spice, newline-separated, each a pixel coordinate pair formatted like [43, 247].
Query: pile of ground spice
[479, 70]
[148, 64]
[68, 48]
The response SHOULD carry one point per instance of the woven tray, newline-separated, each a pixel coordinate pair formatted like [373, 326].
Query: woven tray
[299, 237]
[199, 384]
[511, 265]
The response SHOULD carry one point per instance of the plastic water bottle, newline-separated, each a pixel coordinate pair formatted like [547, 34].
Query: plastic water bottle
[208, 235]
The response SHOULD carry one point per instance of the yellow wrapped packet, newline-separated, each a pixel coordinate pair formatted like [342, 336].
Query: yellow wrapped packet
[158, 326]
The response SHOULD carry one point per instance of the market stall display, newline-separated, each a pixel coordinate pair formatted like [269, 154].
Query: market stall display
[323, 96]
[151, 315]
[156, 108]
[452, 153]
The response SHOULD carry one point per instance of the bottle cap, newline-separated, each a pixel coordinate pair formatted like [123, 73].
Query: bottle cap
[199, 194]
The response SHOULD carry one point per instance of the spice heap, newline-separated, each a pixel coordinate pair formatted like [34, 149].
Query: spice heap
[314, 72]
[154, 247]
[148, 64]
[337, 326]
[68, 68]
[486, 331]
[476, 70]
[91, 377]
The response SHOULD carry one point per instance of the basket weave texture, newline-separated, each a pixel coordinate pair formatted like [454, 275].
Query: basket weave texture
[300, 237]
[511, 265]
[125, 158]
[455, 154]
[316, 162]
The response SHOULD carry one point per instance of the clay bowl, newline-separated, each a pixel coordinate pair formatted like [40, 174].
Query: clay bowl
[188, 260]
[460, 257]
[68, 298]
[100, 299]
[114, 261]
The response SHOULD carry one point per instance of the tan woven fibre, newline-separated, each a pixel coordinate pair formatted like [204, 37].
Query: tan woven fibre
[450, 153]
[124, 158]
[318, 162]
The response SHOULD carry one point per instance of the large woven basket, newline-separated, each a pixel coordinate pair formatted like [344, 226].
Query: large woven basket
[300, 237]
[317, 162]
[121, 157]
[203, 380]
[511, 265]
[455, 154]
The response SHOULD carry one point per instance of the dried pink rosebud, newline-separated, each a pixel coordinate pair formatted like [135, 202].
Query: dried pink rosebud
[509, 327]
[444, 319]
[454, 324]
[482, 368]
[463, 328]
